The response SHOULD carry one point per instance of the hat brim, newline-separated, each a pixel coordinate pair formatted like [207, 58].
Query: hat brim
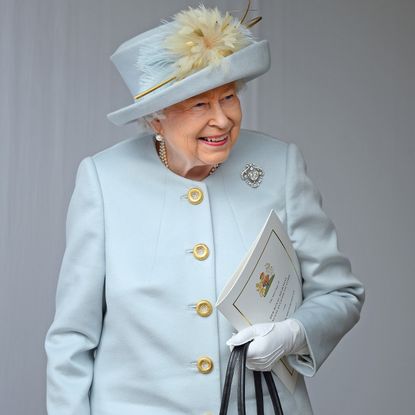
[246, 64]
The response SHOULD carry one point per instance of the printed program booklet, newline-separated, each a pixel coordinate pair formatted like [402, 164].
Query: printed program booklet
[266, 287]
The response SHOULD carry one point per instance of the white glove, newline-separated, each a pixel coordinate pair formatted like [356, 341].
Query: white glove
[271, 341]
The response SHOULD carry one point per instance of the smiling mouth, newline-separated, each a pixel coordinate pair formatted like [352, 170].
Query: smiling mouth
[219, 139]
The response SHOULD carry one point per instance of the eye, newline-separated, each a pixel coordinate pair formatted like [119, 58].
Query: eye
[228, 98]
[199, 105]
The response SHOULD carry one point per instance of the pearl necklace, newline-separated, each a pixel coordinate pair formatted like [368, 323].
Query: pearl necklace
[162, 152]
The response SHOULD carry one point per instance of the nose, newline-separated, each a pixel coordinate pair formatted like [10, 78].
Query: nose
[218, 118]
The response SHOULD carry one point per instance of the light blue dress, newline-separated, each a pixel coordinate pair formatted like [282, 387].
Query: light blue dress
[126, 337]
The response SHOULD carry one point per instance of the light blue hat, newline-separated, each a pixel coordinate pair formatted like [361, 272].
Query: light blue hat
[198, 50]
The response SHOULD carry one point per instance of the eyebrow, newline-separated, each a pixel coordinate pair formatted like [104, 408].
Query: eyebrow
[198, 97]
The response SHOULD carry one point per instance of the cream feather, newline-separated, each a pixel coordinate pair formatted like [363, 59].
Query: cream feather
[196, 38]
[204, 37]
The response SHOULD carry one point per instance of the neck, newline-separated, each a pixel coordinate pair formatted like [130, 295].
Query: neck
[187, 170]
[194, 173]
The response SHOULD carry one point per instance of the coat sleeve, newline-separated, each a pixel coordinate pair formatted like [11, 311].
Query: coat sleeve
[332, 295]
[76, 329]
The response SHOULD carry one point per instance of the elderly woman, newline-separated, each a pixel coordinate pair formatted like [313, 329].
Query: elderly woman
[158, 223]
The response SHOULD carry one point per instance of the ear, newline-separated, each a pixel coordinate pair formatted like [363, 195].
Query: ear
[156, 125]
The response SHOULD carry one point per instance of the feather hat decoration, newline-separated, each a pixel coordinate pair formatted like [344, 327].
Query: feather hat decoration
[194, 39]
[202, 37]
[197, 50]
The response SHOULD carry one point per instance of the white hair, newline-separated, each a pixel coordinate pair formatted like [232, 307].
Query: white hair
[144, 122]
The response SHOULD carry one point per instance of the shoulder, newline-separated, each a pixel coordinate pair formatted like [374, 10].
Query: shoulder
[135, 154]
[261, 147]
[129, 148]
[124, 157]
[256, 142]
[257, 137]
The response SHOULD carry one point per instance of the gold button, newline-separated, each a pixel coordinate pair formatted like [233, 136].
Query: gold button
[200, 251]
[195, 195]
[205, 364]
[204, 308]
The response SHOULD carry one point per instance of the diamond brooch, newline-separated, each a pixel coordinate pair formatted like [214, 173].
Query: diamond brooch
[252, 175]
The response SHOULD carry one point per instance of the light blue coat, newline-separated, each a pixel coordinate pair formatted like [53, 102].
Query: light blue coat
[126, 331]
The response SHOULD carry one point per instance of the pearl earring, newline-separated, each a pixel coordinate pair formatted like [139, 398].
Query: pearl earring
[159, 137]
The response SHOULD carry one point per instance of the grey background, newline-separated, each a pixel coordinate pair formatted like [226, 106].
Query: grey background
[341, 86]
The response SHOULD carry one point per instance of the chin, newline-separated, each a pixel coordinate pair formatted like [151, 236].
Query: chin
[220, 157]
[211, 156]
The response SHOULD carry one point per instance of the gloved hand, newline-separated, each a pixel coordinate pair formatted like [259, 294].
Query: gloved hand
[271, 341]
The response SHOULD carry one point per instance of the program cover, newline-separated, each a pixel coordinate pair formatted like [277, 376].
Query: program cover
[267, 286]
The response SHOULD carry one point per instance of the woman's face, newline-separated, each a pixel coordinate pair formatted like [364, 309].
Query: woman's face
[201, 131]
